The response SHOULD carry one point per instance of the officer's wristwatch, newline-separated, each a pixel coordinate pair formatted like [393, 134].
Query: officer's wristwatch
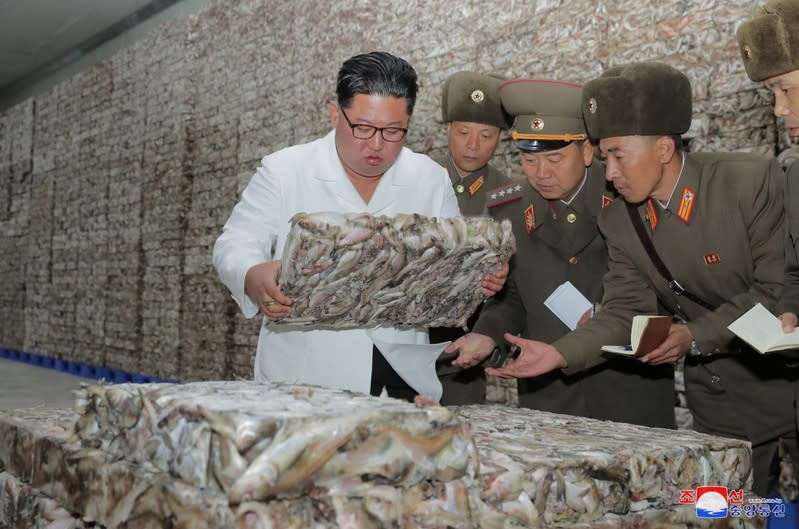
[694, 350]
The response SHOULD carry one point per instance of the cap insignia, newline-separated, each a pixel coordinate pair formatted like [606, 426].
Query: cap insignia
[538, 124]
[478, 96]
[592, 105]
[747, 51]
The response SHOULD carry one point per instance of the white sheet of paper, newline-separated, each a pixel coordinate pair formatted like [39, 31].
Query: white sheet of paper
[568, 304]
[415, 363]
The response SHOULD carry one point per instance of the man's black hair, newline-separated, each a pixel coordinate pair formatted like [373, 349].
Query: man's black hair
[377, 73]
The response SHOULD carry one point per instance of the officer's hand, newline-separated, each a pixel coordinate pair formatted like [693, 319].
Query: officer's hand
[674, 347]
[789, 322]
[260, 284]
[588, 314]
[493, 283]
[472, 349]
[535, 358]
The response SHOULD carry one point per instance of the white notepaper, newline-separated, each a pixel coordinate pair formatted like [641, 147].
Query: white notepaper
[762, 330]
[568, 304]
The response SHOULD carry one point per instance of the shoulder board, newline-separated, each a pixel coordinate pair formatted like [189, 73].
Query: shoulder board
[505, 193]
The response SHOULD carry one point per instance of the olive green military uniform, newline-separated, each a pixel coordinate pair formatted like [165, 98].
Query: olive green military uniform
[789, 301]
[769, 47]
[717, 239]
[471, 189]
[471, 97]
[557, 243]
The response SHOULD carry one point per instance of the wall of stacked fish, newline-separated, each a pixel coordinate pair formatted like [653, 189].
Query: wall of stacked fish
[247, 455]
[115, 183]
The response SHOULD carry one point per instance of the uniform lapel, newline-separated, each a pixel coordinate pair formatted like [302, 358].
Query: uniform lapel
[452, 171]
[548, 216]
[586, 207]
[683, 203]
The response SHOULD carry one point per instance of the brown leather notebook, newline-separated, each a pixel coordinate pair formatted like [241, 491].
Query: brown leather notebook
[646, 334]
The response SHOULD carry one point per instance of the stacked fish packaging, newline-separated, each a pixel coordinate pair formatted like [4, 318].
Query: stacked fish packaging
[56, 483]
[347, 271]
[543, 468]
[537, 470]
[37, 450]
[263, 441]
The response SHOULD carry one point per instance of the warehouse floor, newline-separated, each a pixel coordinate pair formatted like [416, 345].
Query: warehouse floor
[25, 386]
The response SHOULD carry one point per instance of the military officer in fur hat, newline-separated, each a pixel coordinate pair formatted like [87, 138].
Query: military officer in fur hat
[769, 45]
[554, 215]
[695, 232]
[471, 108]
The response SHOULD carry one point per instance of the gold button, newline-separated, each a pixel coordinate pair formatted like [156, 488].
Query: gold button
[715, 379]
[573, 260]
[571, 217]
[459, 188]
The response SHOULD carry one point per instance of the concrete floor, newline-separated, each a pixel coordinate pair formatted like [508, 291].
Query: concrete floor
[25, 386]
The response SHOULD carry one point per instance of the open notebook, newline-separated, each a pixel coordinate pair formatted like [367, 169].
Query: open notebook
[762, 330]
[646, 334]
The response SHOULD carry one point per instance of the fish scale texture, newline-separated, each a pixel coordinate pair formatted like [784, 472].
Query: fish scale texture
[357, 270]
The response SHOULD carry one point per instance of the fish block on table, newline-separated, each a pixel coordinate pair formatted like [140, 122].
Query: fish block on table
[39, 450]
[357, 270]
[257, 441]
[564, 469]
[24, 507]
[88, 484]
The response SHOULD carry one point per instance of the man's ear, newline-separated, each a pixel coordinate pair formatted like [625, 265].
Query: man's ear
[665, 148]
[588, 153]
[332, 108]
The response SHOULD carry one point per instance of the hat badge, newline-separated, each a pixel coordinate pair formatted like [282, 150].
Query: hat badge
[478, 96]
[747, 51]
[538, 124]
[592, 105]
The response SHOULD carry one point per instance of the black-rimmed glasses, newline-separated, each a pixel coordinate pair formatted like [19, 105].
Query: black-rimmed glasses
[366, 132]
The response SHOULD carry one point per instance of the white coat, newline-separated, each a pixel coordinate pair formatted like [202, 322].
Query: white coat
[311, 178]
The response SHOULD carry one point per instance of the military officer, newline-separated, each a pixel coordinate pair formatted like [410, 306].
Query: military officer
[471, 108]
[710, 220]
[776, 61]
[554, 215]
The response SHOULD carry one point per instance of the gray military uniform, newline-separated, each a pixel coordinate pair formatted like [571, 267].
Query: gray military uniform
[557, 243]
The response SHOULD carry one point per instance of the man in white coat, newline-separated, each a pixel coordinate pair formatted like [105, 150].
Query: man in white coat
[360, 166]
